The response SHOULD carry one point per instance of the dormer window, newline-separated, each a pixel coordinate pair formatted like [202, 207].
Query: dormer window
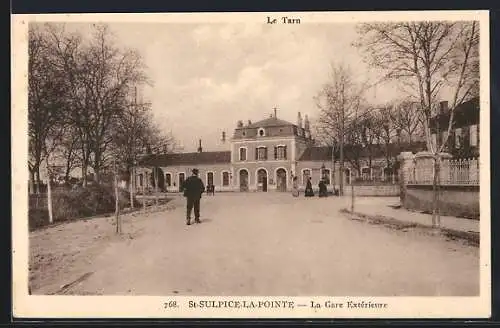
[261, 132]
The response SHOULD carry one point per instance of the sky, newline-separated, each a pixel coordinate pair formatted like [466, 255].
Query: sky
[206, 77]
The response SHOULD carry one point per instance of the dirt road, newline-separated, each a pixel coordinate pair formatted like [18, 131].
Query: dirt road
[250, 244]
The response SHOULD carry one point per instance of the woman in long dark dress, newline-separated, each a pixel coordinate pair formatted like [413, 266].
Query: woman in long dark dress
[309, 190]
[295, 190]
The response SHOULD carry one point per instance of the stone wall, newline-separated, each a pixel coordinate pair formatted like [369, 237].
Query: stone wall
[374, 190]
[459, 201]
[454, 200]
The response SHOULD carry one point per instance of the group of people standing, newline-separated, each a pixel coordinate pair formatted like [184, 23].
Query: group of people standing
[309, 192]
[193, 188]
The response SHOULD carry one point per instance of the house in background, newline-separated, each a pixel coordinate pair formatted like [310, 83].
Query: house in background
[266, 156]
[464, 139]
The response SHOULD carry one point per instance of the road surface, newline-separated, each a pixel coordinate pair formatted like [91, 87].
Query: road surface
[250, 244]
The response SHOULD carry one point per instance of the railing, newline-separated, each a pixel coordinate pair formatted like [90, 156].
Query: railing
[451, 172]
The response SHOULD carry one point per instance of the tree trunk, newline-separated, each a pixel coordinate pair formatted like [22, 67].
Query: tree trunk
[436, 219]
[156, 185]
[144, 191]
[37, 180]
[32, 182]
[117, 202]
[49, 194]
[97, 170]
[68, 167]
[84, 175]
[352, 197]
[131, 186]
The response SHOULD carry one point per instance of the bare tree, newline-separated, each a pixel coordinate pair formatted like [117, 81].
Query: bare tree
[405, 117]
[46, 101]
[67, 151]
[426, 58]
[339, 102]
[100, 76]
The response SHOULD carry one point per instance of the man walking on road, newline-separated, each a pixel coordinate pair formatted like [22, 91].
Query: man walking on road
[193, 188]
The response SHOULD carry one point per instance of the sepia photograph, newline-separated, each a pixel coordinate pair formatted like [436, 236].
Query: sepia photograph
[251, 164]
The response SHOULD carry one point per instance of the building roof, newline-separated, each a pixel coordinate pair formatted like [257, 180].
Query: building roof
[197, 158]
[271, 121]
[465, 114]
[324, 153]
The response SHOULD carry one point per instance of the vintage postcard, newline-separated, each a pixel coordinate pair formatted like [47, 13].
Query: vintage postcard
[251, 165]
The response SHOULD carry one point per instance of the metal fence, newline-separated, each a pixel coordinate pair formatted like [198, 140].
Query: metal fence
[452, 172]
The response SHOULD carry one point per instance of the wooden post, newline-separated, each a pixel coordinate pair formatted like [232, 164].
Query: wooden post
[49, 192]
[117, 202]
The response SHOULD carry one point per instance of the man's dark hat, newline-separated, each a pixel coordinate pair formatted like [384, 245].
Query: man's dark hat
[195, 171]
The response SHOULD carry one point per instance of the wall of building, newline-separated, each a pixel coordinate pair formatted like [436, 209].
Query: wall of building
[251, 146]
[216, 169]
[271, 168]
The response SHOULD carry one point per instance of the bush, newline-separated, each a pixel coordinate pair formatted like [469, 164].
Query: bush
[78, 203]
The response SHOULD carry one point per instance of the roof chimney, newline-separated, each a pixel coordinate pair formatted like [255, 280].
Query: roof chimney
[199, 147]
[275, 113]
[299, 120]
[306, 123]
[223, 136]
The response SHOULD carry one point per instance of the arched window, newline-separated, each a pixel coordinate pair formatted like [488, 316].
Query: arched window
[225, 178]
[168, 179]
[210, 178]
